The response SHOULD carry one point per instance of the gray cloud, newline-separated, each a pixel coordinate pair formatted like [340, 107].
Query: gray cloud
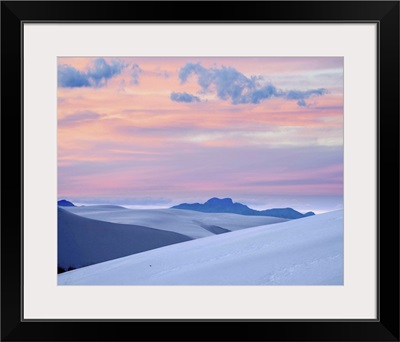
[232, 85]
[101, 71]
[135, 72]
[184, 97]
[69, 77]
[96, 75]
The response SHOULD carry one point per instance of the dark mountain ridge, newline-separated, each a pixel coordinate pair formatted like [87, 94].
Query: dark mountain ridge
[65, 203]
[226, 205]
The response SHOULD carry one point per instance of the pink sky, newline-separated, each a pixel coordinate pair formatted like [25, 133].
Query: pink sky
[266, 132]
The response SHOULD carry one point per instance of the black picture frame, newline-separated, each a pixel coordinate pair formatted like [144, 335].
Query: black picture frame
[384, 13]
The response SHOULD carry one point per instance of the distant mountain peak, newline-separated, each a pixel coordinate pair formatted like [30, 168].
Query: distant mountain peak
[65, 203]
[223, 201]
[226, 205]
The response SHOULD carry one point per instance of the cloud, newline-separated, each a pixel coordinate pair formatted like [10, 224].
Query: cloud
[100, 71]
[96, 75]
[259, 94]
[135, 72]
[188, 68]
[69, 77]
[301, 95]
[230, 84]
[184, 97]
[77, 118]
[302, 103]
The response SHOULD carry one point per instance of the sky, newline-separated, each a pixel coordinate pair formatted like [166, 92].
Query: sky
[154, 132]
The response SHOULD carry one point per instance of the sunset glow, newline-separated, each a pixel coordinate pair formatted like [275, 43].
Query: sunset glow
[266, 132]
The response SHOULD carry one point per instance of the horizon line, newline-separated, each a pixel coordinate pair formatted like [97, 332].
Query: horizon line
[159, 206]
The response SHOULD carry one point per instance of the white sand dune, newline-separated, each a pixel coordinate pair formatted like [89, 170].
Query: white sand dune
[307, 251]
[83, 241]
[187, 222]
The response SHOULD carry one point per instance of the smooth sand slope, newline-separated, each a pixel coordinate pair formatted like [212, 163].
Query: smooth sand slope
[307, 251]
[83, 241]
[187, 222]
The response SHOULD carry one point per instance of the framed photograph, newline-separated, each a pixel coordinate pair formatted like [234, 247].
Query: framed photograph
[178, 164]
